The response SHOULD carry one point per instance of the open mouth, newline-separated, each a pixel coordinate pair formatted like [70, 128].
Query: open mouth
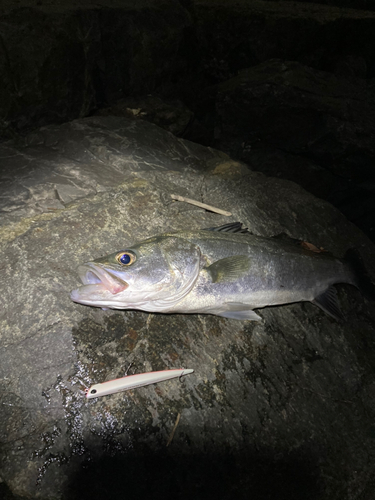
[93, 274]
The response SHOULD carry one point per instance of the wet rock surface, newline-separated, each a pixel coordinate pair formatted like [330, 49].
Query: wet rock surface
[284, 407]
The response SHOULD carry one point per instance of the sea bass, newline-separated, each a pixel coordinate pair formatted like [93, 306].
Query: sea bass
[225, 271]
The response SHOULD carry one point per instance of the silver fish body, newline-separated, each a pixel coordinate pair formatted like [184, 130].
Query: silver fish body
[212, 272]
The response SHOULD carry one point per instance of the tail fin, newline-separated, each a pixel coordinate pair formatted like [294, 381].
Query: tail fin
[362, 279]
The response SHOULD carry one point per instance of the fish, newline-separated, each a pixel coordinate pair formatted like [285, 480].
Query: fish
[225, 271]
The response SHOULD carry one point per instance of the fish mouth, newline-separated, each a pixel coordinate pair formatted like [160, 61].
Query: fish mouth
[97, 280]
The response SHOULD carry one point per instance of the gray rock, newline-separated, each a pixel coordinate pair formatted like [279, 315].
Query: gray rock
[61, 61]
[328, 38]
[313, 127]
[288, 107]
[170, 114]
[278, 409]
[353, 4]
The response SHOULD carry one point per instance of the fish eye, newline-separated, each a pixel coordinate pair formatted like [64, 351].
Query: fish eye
[125, 258]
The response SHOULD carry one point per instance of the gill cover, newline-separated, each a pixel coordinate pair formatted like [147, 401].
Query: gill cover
[152, 275]
[176, 262]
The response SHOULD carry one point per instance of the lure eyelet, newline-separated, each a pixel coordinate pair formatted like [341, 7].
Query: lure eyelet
[125, 258]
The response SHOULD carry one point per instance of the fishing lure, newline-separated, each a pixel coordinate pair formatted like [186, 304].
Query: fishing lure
[133, 381]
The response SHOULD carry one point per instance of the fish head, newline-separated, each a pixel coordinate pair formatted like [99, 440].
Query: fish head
[152, 275]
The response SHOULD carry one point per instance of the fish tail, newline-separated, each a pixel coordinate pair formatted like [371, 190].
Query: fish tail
[362, 279]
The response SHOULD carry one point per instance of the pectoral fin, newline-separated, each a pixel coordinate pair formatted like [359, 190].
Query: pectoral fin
[229, 269]
[328, 302]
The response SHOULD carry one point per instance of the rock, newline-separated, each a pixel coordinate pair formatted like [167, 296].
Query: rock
[283, 408]
[169, 114]
[327, 38]
[60, 62]
[353, 4]
[288, 107]
[313, 127]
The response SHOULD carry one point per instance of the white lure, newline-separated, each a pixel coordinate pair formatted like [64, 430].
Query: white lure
[133, 381]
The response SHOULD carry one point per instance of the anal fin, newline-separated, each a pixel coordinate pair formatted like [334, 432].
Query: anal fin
[327, 301]
[241, 315]
[236, 310]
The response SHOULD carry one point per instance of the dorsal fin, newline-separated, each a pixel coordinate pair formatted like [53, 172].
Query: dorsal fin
[231, 227]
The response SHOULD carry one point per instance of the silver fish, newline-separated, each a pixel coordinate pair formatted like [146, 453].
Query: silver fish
[224, 271]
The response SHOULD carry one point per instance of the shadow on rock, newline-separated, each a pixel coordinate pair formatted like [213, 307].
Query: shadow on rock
[223, 476]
